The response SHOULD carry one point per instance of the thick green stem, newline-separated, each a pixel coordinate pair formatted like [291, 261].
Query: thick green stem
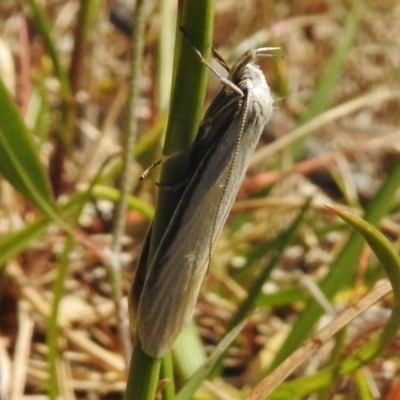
[188, 92]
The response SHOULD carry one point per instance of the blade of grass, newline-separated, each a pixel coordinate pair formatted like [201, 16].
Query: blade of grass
[139, 18]
[83, 29]
[165, 52]
[363, 386]
[20, 162]
[133, 202]
[188, 342]
[187, 392]
[334, 67]
[19, 158]
[42, 23]
[52, 331]
[282, 298]
[13, 243]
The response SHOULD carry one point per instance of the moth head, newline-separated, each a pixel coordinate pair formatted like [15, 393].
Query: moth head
[246, 69]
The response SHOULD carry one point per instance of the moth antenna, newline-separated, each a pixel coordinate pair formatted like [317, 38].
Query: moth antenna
[224, 81]
[280, 99]
[265, 52]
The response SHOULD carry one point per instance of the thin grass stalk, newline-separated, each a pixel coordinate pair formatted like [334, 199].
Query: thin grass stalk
[167, 372]
[52, 330]
[67, 87]
[86, 15]
[138, 22]
[166, 52]
[42, 23]
[70, 109]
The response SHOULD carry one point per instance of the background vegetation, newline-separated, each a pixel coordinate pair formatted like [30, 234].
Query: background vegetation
[71, 102]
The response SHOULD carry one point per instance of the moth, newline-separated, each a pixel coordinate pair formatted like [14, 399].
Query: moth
[220, 154]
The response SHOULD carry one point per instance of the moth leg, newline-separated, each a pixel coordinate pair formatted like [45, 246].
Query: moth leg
[149, 169]
[220, 59]
[156, 164]
[223, 80]
[172, 188]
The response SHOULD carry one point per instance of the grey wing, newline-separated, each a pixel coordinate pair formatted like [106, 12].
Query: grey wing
[179, 265]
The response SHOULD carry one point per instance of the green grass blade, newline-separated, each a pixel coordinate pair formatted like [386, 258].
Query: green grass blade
[188, 342]
[380, 245]
[133, 202]
[334, 67]
[52, 332]
[19, 159]
[303, 386]
[42, 23]
[13, 243]
[187, 392]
